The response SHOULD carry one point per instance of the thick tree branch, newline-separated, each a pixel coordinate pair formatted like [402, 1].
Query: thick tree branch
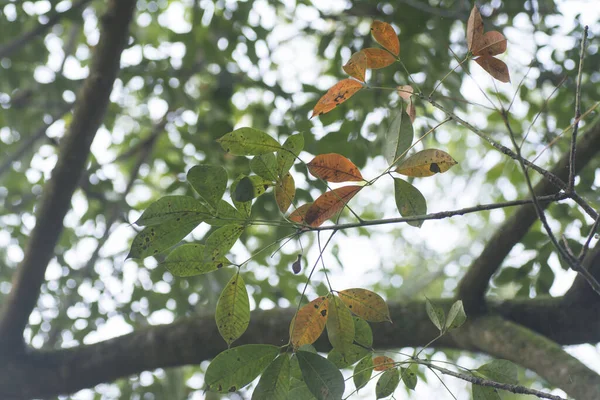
[473, 285]
[75, 147]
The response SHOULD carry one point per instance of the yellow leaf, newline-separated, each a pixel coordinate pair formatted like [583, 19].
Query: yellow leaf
[309, 323]
[285, 191]
[381, 363]
[496, 68]
[474, 28]
[384, 34]
[378, 58]
[356, 66]
[366, 304]
[426, 163]
[329, 204]
[334, 168]
[339, 93]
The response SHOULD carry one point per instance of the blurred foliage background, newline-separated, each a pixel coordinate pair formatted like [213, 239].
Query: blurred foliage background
[196, 69]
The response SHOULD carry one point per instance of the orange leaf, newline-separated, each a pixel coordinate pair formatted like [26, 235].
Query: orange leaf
[329, 204]
[298, 215]
[309, 323]
[381, 363]
[496, 68]
[474, 28]
[366, 304]
[285, 191]
[334, 168]
[490, 44]
[385, 35]
[339, 93]
[356, 66]
[405, 91]
[378, 58]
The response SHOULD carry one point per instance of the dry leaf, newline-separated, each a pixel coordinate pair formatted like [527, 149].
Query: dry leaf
[334, 168]
[381, 363]
[490, 44]
[329, 204]
[385, 35]
[298, 215]
[411, 111]
[405, 91]
[474, 28]
[426, 163]
[496, 68]
[356, 66]
[339, 93]
[378, 58]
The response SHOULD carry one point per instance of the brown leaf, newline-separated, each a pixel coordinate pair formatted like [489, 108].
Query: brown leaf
[329, 204]
[285, 191]
[298, 215]
[339, 93]
[356, 66]
[490, 44]
[378, 58]
[384, 34]
[411, 111]
[334, 168]
[381, 363]
[309, 323]
[496, 68]
[474, 28]
[405, 91]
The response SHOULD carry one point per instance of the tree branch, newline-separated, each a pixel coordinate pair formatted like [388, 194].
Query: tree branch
[56, 199]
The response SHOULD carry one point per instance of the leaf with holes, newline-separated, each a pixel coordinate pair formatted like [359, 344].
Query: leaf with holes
[233, 310]
[356, 66]
[387, 383]
[286, 157]
[171, 208]
[248, 142]
[456, 316]
[210, 181]
[409, 376]
[221, 241]
[474, 28]
[426, 163]
[323, 379]
[378, 58]
[340, 325]
[435, 314]
[275, 381]
[285, 191]
[309, 323]
[409, 200]
[235, 368]
[399, 138]
[386, 36]
[265, 166]
[336, 95]
[366, 304]
[299, 213]
[496, 68]
[329, 204]
[381, 363]
[334, 167]
[188, 260]
[362, 372]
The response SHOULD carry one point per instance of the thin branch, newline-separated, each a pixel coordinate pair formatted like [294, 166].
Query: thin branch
[475, 380]
[586, 246]
[577, 111]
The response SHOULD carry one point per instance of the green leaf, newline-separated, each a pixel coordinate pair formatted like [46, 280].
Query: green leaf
[244, 207]
[362, 371]
[502, 371]
[221, 241]
[323, 378]
[210, 181]
[299, 390]
[399, 137]
[485, 393]
[409, 376]
[387, 383]
[436, 314]
[409, 200]
[265, 166]
[456, 315]
[286, 157]
[154, 239]
[250, 187]
[188, 260]
[172, 208]
[226, 214]
[233, 310]
[235, 368]
[352, 354]
[275, 381]
[340, 325]
[363, 334]
[248, 142]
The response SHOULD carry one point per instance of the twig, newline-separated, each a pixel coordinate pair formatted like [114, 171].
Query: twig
[577, 111]
[586, 246]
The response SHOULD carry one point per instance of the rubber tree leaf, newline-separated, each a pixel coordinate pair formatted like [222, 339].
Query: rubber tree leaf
[323, 379]
[286, 157]
[299, 213]
[485, 393]
[502, 371]
[334, 168]
[172, 208]
[378, 58]
[490, 44]
[387, 383]
[409, 201]
[233, 310]
[381, 363]
[250, 187]
[309, 323]
[188, 260]
[275, 381]
[384, 34]
[399, 137]
[210, 181]
[221, 241]
[340, 325]
[456, 315]
[435, 314]
[248, 142]
[356, 66]
[329, 204]
[362, 372]
[244, 207]
[336, 95]
[265, 166]
[409, 376]
[366, 304]
[235, 368]
[347, 358]
[474, 28]
[226, 214]
[156, 238]
[363, 334]
[496, 68]
[285, 191]
[426, 163]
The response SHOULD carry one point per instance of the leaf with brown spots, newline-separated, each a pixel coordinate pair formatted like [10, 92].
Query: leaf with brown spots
[188, 260]
[426, 163]
[366, 304]
[329, 204]
[233, 310]
[221, 241]
[298, 215]
[496, 68]
[378, 58]
[357, 66]
[474, 28]
[340, 325]
[285, 191]
[333, 167]
[385, 35]
[381, 363]
[339, 93]
[309, 323]
[490, 44]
